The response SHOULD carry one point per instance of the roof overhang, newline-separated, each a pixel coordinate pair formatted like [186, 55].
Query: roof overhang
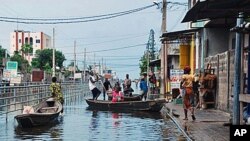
[178, 35]
[156, 62]
[216, 9]
[221, 23]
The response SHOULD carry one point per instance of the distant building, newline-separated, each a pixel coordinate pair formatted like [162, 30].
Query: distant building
[38, 40]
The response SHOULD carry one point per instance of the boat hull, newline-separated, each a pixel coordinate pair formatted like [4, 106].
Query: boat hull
[129, 98]
[149, 105]
[43, 115]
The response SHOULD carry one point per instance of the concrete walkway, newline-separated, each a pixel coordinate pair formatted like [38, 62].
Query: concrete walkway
[208, 125]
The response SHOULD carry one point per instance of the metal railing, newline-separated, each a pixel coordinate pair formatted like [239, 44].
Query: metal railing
[14, 98]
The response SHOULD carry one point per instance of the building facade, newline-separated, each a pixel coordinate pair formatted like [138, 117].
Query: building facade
[38, 41]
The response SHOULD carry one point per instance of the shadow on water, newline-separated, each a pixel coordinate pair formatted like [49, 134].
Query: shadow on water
[140, 114]
[80, 122]
[53, 130]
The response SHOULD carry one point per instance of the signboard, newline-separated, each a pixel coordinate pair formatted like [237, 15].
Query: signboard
[175, 78]
[11, 65]
[9, 74]
[78, 75]
[174, 49]
[16, 80]
[6, 74]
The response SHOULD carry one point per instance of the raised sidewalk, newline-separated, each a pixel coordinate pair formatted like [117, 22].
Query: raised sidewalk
[208, 126]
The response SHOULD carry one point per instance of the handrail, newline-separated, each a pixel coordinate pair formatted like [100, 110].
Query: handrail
[243, 98]
[13, 98]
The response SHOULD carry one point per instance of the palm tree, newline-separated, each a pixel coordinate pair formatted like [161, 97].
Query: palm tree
[27, 49]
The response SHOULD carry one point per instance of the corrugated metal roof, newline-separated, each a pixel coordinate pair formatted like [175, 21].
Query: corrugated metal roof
[215, 9]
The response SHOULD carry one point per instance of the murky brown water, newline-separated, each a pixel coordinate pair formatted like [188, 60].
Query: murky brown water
[80, 123]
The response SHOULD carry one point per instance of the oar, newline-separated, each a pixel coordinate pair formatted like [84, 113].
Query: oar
[104, 88]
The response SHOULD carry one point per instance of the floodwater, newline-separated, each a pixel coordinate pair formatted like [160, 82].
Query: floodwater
[78, 123]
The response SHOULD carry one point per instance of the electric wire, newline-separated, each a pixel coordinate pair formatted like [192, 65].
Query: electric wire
[79, 19]
[71, 20]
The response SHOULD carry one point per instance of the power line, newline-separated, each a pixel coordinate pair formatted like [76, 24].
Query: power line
[117, 48]
[109, 41]
[70, 20]
[79, 19]
[110, 49]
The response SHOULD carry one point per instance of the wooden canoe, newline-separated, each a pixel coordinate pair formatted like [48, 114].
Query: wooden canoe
[128, 98]
[149, 105]
[45, 112]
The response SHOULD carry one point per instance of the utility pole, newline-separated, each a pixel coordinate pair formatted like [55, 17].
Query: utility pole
[94, 62]
[148, 70]
[164, 49]
[54, 67]
[237, 74]
[102, 66]
[99, 67]
[84, 67]
[74, 60]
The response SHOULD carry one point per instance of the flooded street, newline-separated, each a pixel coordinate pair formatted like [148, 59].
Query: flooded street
[80, 123]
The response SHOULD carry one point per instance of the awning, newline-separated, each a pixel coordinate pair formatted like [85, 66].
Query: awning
[156, 62]
[215, 9]
[171, 36]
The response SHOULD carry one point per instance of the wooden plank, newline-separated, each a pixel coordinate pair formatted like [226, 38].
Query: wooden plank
[45, 108]
[241, 113]
[244, 98]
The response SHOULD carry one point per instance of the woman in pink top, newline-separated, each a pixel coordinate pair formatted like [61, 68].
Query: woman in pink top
[117, 95]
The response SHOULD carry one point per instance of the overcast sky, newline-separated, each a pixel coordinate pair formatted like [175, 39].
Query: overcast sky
[124, 31]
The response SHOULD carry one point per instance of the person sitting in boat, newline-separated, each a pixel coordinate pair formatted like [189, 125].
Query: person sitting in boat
[117, 84]
[55, 89]
[127, 86]
[106, 87]
[117, 95]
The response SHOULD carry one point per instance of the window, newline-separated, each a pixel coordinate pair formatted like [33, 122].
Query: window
[26, 40]
[19, 40]
[37, 41]
[31, 41]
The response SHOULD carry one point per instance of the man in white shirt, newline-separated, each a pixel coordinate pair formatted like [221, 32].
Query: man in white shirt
[92, 86]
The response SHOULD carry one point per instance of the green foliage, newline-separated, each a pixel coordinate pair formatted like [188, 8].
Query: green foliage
[67, 73]
[2, 54]
[47, 68]
[143, 64]
[23, 64]
[27, 48]
[35, 63]
[44, 59]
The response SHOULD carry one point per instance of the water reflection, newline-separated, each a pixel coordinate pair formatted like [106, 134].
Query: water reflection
[94, 120]
[119, 113]
[84, 124]
[52, 130]
[115, 119]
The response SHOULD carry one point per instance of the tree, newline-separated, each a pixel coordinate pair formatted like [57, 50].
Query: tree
[26, 49]
[44, 59]
[144, 63]
[2, 54]
[23, 64]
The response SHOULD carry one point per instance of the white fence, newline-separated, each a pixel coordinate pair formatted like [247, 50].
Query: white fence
[13, 98]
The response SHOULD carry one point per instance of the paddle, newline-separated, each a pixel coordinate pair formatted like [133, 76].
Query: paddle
[104, 88]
